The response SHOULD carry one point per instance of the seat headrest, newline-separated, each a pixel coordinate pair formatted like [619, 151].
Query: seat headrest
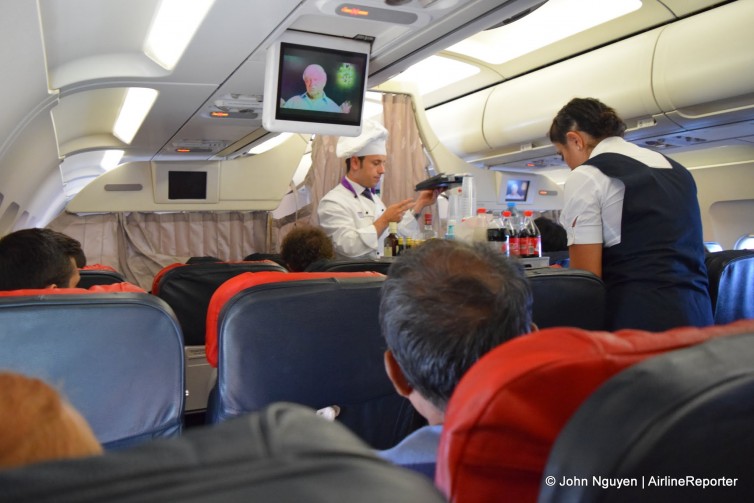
[510, 406]
[247, 280]
[657, 423]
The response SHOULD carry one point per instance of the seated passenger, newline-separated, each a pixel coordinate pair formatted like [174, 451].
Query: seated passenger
[305, 245]
[43, 258]
[34, 258]
[554, 236]
[72, 248]
[38, 425]
[554, 241]
[444, 305]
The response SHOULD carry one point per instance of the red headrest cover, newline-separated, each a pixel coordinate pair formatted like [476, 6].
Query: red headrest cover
[248, 280]
[506, 412]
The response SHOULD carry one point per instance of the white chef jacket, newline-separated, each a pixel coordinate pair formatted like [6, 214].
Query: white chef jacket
[348, 216]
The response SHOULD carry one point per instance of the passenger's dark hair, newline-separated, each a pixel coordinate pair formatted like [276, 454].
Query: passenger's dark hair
[305, 245]
[348, 162]
[71, 247]
[444, 305]
[554, 236]
[33, 258]
[589, 115]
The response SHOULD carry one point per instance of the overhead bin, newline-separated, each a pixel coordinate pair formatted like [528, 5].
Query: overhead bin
[695, 73]
[518, 112]
[703, 73]
[458, 123]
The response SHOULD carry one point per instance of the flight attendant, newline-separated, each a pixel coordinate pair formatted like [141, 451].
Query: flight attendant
[352, 214]
[632, 218]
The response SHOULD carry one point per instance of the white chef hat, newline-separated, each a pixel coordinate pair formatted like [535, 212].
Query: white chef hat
[371, 141]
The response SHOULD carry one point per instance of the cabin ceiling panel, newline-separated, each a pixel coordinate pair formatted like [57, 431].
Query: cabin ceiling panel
[233, 31]
[24, 81]
[685, 7]
[74, 169]
[447, 27]
[79, 50]
[247, 81]
[32, 159]
[85, 120]
[175, 104]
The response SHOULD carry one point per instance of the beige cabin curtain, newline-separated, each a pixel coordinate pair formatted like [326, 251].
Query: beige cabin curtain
[324, 174]
[407, 164]
[138, 245]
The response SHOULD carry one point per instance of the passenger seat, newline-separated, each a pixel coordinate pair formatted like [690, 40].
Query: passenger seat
[308, 338]
[684, 413]
[510, 407]
[117, 357]
[731, 284]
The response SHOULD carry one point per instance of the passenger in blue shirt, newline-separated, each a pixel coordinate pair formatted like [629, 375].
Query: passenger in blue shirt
[444, 305]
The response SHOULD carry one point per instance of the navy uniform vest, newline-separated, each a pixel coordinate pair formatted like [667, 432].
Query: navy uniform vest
[655, 277]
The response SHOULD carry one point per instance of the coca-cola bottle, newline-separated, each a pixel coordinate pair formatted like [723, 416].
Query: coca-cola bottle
[514, 238]
[496, 235]
[531, 240]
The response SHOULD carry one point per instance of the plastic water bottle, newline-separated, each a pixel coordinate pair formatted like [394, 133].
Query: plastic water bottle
[468, 196]
[450, 233]
[479, 226]
[474, 229]
[515, 215]
[454, 204]
[428, 232]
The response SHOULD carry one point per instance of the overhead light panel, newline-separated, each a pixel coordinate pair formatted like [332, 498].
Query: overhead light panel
[270, 144]
[172, 29]
[111, 159]
[553, 21]
[436, 72]
[136, 106]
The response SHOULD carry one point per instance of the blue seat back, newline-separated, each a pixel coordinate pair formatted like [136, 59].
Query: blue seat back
[567, 298]
[684, 413]
[731, 282]
[315, 342]
[118, 358]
